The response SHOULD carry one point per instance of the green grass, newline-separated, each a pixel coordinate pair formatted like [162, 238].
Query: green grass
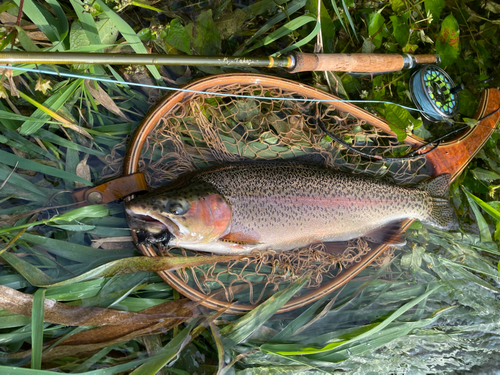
[433, 309]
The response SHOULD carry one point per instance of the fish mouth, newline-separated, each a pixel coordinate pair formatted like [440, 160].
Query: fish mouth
[150, 222]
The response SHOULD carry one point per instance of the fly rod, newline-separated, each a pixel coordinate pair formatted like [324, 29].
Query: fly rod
[296, 62]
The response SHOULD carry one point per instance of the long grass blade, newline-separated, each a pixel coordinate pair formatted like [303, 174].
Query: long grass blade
[39, 18]
[292, 7]
[55, 102]
[303, 41]
[37, 326]
[295, 349]
[284, 30]
[12, 160]
[349, 18]
[238, 331]
[485, 206]
[129, 34]
[484, 229]
[167, 353]
[337, 12]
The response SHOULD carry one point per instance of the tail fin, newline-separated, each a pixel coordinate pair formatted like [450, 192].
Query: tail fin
[442, 215]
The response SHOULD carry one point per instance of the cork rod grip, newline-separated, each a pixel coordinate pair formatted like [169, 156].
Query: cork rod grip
[355, 62]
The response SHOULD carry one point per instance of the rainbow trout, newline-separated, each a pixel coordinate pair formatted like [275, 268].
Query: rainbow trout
[237, 208]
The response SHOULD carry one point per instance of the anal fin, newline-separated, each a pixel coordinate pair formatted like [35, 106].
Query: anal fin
[335, 248]
[391, 234]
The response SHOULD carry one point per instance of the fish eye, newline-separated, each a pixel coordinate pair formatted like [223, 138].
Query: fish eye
[177, 207]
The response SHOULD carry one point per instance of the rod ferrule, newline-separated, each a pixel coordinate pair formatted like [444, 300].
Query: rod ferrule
[409, 61]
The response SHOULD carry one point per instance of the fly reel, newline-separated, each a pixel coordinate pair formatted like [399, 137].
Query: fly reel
[434, 93]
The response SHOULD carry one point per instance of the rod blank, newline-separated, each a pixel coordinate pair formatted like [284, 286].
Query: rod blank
[297, 62]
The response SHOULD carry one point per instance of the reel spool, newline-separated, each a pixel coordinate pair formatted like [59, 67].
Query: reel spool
[435, 93]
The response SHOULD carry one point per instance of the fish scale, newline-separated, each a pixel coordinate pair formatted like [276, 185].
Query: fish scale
[285, 205]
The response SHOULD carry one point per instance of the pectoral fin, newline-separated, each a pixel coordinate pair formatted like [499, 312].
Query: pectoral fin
[391, 234]
[240, 238]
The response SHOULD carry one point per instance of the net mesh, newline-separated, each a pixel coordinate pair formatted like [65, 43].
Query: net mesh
[205, 130]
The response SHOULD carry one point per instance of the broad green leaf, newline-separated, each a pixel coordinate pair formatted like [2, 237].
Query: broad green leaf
[6, 5]
[375, 26]
[62, 19]
[205, 37]
[398, 5]
[107, 33]
[470, 121]
[448, 42]
[468, 103]
[434, 7]
[87, 22]
[422, 132]
[413, 260]
[400, 120]
[484, 174]
[401, 29]
[177, 36]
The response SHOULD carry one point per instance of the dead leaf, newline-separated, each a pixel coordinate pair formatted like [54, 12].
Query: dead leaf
[164, 317]
[112, 243]
[61, 313]
[105, 100]
[491, 6]
[83, 171]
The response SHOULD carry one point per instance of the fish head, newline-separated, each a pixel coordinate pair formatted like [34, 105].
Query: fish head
[194, 213]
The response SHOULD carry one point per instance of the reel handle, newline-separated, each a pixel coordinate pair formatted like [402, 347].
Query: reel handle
[358, 62]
